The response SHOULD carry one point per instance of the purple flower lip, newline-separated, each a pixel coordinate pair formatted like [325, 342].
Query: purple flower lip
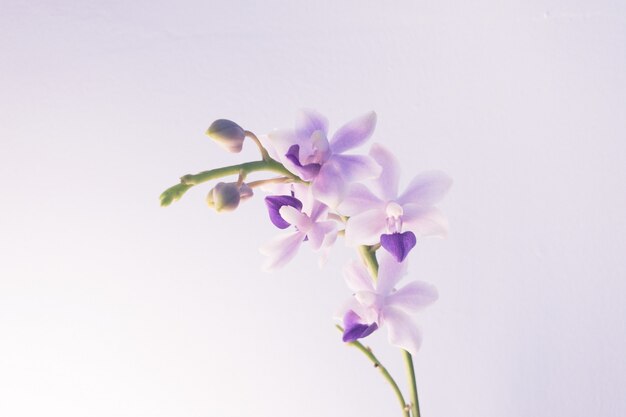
[398, 244]
[275, 202]
[354, 329]
[308, 170]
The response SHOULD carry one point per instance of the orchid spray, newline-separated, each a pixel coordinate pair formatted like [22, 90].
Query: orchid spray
[317, 192]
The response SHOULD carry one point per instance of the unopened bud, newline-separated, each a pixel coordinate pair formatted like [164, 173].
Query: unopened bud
[229, 135]
[226, 196]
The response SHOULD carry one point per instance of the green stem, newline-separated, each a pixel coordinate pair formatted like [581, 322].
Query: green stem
[259, 145]
[415, 404]
[245, 168]
[368, 352]
[369, 258]
[186, 182]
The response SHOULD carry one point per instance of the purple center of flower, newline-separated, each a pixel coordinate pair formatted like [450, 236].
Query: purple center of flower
[398, 244]
[310, 170]
[354, 329]
[275, 202]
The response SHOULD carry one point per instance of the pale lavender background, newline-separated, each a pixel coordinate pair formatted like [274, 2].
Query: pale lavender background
[112, 306]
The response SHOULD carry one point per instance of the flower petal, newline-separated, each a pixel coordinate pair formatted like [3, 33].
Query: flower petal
[425, 221]
[295, 217]
[306, 172]
[282, 139]
[359, 199]
[275, 202]
[318, 232]
[386, 185]
[353, 133]
[366, 228]
[402, 331]
[329, 186]
[355, 167]
[354, 328]
[281, 249]
[309, 121]
[414, 296]
[357, 278]
[398, 244]
[426, 189]
[390, 273]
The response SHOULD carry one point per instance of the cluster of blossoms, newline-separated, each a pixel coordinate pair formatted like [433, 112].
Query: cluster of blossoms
[322, 192]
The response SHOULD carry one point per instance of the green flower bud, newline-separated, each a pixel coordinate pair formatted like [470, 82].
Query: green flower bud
[225, 196]
[229, 135]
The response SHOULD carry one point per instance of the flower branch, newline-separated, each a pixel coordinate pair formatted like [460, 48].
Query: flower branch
[370, 355]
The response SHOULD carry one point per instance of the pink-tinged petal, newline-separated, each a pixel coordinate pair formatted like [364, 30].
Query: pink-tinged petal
[350, 304]
[355, 167]
[403, 333]
[353, 133]
[269, 146]
[320, 145]
[281, 249]
[330, 238]
[318, 232]
[414, 296]
[370, 300]
[309, 121]
[281, 140]
[390, 272]
[359, 199]
[357, 278]
[386, 185]
[329, 187]
[295, 217]
[425, 221]
[366, 228]
[426, 189]
[318, 210]
[292, 161]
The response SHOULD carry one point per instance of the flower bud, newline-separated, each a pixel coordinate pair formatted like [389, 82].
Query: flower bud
[229, 135]
[225, 196]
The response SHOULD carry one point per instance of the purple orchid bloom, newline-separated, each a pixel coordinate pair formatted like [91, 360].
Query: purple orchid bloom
[381, 216]
[286, 211]
[307, 152]
[377, 305]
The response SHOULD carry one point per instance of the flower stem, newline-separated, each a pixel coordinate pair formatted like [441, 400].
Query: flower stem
[369, 258]
[187, 181]
[368, 352]
[259, 145]
[415, 405]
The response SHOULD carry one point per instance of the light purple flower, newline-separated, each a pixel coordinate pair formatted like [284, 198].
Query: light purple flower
[307, 152]
[286, 211]
[380, 304]
[379, 215]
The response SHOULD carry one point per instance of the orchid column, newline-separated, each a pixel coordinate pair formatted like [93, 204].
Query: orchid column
[318, 192]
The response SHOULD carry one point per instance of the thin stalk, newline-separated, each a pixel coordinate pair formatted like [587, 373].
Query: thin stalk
[245, 168]
[259, 145]
[415, 404]
[279, 180]
[368, 352]
[176, 192]
[369, 258]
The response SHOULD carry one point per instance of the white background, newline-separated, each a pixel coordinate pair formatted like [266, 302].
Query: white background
[113, 306]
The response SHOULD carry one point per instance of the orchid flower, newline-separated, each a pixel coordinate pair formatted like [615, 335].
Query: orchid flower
[307, 152]
[379, 304]
[381, 216]
[309, 221]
